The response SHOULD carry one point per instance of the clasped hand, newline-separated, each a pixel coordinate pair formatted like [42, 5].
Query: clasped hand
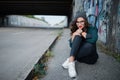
[77, 32]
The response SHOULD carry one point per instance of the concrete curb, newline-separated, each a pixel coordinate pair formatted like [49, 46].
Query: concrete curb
[29, 77]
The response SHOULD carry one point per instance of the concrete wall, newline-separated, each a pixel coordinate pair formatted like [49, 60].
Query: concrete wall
[22, 21]
[117, 29]
[105, 15]
[61, 24]
[77, 6]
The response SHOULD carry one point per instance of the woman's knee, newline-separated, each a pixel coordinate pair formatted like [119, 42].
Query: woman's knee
[77, 37]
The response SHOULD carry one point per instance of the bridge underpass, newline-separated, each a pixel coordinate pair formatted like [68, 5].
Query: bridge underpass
[36, 7]
[19, 53]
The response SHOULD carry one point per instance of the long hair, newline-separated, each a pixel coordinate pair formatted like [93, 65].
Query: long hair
[73, 26]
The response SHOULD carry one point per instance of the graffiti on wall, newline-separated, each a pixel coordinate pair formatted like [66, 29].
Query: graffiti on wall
[97, 15]
[118, 29]
[93, 8]
[102, 31]
[100, 14]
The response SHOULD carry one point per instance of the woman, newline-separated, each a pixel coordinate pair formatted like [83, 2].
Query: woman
[82, 43]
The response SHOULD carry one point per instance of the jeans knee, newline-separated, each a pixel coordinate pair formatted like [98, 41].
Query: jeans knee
[77, 37]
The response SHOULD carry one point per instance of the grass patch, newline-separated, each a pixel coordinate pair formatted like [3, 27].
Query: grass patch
[40, 69]
[60, 32]
[107, 51]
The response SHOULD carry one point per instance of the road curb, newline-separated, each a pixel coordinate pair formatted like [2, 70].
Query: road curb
[30, 75]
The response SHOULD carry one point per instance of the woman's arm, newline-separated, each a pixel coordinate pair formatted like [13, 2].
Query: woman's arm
[92, 35]
[77, 32]
[85, 35]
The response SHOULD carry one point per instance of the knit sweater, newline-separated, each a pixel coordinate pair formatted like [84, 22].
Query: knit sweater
[92, 35]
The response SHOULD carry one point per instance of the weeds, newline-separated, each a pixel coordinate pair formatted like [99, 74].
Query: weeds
[104, 49]
[41, 67]
[60, 32]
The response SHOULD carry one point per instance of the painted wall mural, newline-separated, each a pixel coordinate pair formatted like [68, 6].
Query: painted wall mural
[105, 15]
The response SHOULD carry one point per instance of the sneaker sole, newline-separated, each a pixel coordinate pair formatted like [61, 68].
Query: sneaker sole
[64, 67]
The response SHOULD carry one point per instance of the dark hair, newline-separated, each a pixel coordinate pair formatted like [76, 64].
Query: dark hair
[73, 26]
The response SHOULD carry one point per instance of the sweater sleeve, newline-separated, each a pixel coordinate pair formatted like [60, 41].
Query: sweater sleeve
[88, 36]
[92, 35]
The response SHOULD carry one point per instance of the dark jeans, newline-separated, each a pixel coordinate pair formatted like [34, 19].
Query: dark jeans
[83, 51]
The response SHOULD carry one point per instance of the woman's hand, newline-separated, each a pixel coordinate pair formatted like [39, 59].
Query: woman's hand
[79, 31]
[76, 33]
[84, 34]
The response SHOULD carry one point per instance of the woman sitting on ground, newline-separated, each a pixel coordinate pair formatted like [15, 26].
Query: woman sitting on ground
[82, 43]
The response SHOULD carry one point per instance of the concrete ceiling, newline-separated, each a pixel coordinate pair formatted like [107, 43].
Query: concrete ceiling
[39, 7]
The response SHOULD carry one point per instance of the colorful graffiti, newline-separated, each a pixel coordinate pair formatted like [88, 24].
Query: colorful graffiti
[102, 14]
[102, 31]
[96, 14]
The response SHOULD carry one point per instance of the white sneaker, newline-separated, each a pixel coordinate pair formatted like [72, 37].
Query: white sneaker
[65, 64]
[72, 70]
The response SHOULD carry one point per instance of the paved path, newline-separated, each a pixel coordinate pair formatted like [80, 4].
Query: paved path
[107, 68]
[21, 48]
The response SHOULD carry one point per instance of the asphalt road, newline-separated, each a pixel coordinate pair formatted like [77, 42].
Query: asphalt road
[21, 48]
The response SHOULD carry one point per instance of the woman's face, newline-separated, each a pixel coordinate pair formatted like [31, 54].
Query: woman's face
[80, 23]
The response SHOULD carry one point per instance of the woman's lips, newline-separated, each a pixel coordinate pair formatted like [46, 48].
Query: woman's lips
[80, 26]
